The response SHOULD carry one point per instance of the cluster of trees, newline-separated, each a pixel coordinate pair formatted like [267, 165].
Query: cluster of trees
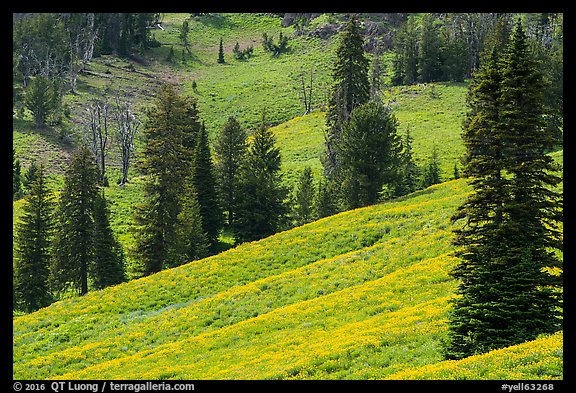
[448, 46]
[365, 156]
[50, 50]
[63, 245]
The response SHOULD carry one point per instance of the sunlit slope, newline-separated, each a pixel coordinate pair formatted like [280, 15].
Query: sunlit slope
[359, 295]
[538, 359]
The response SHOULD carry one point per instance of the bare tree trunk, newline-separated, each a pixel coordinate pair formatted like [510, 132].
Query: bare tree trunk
[98, 132]
[127, 125]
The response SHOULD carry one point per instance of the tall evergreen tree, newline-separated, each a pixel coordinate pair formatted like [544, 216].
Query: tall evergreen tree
[429, 60]
[108, 266]
[405, 64]
[202, 176]
[39, 99]
[369, 150]
[409, 176]
[221, 52]
[509, 276]
[32, 240]
[432, 169]
[230, 150]
[166, 158]
[16, 176]
[192, 240]
[304, 198]
[351, 89]
[260, 206]
[74, 240]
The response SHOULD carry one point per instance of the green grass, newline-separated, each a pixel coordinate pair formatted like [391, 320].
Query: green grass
[362, 294]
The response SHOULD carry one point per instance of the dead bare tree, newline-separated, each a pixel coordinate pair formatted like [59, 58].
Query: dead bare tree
[97, 123]
[127, 126]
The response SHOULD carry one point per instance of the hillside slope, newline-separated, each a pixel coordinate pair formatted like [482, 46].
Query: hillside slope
[362, 294]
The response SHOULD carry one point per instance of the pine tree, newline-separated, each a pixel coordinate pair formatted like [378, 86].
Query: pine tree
[429, 61]
[192, 240]
[230, 150]
[221, 53]
[29, 176]
[32, 245]
[351, 89]
[405, 64]
[260, 206]
[74, 240]
[369, 151]
[325, 202]
[509, 276]
[16, 176]
[409, 172]
[39, 99]
[108, 266]
[202, 176]
[304, 198]
[432, 169]
[165, 163]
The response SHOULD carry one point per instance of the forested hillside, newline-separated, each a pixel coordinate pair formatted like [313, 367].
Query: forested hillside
[287, 195]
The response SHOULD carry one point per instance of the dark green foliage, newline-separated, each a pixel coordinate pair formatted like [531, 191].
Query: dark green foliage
[259, 207]
[192, 240]
[221, 52]
[203, 178]
[39, 99]
[304, 198]
[166, 157]
[431, 173]
[325, 201]
[409, 173]
[270, 46]
[351, 89]
[74, 240]
[405, 71]
[32, 239]
[29, 177]
[123, 33]
[16, 177]
[230, 150]
[369, 153]
[510, 276]
[242, 54]
[429, 56]
[108, 266]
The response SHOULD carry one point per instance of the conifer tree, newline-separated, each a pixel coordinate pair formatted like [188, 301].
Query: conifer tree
[32, 252]
[16, 176]
[192, 240]
[260, 206]
[304, 198]
[432, 169]
[351, 89]
[509, 276]
[39, 99]
[324, 202]
[409, 173]
[108, 266]
[165, 163]
[429, 61]
[202, 176]
[221, 52]
[74, 240]
[369, 151]
[230, 151]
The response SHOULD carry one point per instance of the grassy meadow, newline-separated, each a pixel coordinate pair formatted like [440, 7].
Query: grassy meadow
[359, 295]
[363, 294]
